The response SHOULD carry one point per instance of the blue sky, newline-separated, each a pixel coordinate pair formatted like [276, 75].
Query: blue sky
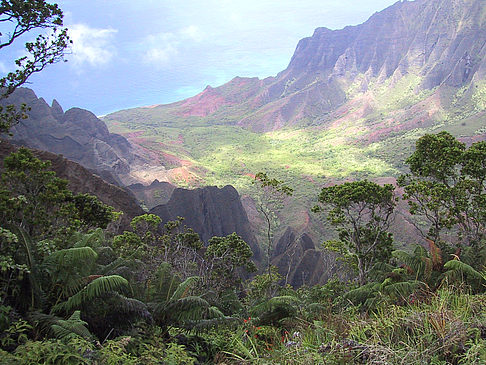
[130, 53]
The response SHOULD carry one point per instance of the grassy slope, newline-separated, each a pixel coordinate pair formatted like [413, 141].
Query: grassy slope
[349, 143]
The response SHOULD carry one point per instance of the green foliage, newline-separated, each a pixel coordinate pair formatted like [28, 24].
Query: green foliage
[92, 212]
[436, 157]
[20, 18]
[173, 303]
[362, 211]
[447, 188]
[225, 255]
[458, 271]
[275, 309]
[52, 352]
[263, 285]
[32, 197]
[115, 352]
[73, 326]
[95, 289]
[16, 334]
[269, 201]
[145, 223]
[177, 355]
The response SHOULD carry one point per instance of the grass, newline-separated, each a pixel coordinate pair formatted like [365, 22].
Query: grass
[446, 328]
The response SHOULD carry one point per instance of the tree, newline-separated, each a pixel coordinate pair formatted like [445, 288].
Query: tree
[224, 256]
[446, 187]
[38, 218]
[20, 18]
[269, 201]
[362, 212]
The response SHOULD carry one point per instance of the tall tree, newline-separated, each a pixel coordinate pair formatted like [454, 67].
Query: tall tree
[20, 18]
[362, 212]
[269, 200]
[446, 187]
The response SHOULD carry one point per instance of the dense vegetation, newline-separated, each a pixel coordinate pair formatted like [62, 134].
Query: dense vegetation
[74, 290]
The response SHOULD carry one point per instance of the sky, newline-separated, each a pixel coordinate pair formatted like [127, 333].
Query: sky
[128, 53]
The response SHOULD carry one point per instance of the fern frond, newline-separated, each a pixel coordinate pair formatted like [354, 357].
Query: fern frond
[43, 322]
[166, 283]
[361, 294]
[93, 239]
[74, 325]
[214, 312]
[457, 269]
[94, 289]
[131, 305]
[184, 288]
[72, 255]
[402, 289]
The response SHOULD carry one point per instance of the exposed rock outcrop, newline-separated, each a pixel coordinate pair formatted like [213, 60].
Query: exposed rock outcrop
[301, 263]
[210, 211]
[440, 43]
[81, 180]
[77, 134]
[157, 193]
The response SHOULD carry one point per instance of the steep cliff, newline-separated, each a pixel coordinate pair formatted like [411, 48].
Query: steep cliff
[210, 211]
[421, 47]
[77, 134]
[157, 193]
[300, 262]
[81, 180]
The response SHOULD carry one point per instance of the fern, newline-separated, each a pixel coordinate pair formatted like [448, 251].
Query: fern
[363, 293]
[61, 328]
[401, 289]
[94, 289]
[458, 270]
[70, 327]
[184, 288]
[93, 239]
[275, 309]
[72, 255]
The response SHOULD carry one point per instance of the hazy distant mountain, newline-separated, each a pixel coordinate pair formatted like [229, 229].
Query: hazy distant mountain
[349, 105]
[80, 136]
[425, 50]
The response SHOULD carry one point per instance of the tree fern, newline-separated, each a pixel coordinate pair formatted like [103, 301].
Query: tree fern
[401, 289]
[361, 294]
[461, 272]
[94, 289]
[184, 288]
[184, 309]
[72, 326]
[74, 255]
[93, 239]
[61, 328]
[275, 309]
[132, 306]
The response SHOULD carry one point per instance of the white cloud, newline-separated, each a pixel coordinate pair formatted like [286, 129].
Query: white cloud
[91, 46]
[193, 32]
[3, 68]
[161, 54]
[162, 48]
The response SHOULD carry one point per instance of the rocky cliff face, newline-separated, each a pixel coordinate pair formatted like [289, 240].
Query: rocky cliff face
[80, 180]
[441, 40]
[301, 263]
[76, 134]
[210, 211]
[440, 44]
[157, 193]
